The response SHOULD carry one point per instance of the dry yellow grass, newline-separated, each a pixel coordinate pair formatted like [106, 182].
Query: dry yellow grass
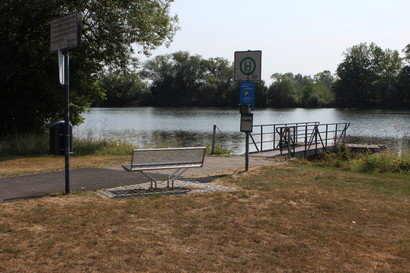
[287, 218]
[12, 167]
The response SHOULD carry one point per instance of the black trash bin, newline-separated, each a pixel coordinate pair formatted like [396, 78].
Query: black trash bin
[57, 139]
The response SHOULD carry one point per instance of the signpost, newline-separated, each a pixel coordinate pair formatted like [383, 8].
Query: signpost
[247, 65]
[247, 70]
[65, 35]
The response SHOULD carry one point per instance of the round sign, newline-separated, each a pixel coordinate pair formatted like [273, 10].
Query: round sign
[247, 66]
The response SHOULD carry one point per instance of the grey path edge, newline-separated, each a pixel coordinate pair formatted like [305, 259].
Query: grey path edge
[90, 179]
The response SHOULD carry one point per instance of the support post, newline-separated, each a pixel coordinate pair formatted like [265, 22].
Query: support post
[67, 136]
[274, 137]
[336, 135]
[213, 140]
[246, 127]
[289, 150]
[247, 152]
[306, 140]
[327, 130]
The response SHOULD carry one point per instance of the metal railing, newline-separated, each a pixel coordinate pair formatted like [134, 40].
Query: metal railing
[301, 137]
[265, 137]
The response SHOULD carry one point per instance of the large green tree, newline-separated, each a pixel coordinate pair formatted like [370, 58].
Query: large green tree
[289, 90]
[322, 94]
[404, 80]
[218, 86]
[368, 77]
[284, 91]
[175, 78]
[30, 95]
[121, 89]
[181, 79]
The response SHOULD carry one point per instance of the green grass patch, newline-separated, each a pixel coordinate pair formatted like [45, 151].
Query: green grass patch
[101, 147]
[218, 150]
[5, 228]
[387, 184]
[35, 144]
[24, 145]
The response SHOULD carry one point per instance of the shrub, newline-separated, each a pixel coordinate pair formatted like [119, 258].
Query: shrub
[385, 162]
[338, 158]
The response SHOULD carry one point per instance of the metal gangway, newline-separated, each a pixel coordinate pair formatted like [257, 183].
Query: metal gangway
[296, 139]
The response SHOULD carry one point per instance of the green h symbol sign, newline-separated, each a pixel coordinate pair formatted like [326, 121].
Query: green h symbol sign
[247, 66]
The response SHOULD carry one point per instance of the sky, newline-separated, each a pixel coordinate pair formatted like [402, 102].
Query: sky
[298, 36]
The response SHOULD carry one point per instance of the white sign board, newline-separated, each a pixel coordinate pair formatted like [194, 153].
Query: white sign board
[65, 32]
[247, 65]
[246, 122]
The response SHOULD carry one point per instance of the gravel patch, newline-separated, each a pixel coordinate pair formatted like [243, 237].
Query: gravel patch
[185, 186]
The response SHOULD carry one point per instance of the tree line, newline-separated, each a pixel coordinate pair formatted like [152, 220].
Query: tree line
[105, 72]
[367, 77]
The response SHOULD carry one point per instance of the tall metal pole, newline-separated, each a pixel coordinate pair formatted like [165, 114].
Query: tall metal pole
[213, 140]
[247, 152]
[67, 136]
[288, 136]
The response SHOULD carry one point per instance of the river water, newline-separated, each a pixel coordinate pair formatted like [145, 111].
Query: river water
[154, 127]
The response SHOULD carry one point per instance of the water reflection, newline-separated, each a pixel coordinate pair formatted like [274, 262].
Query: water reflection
[149, 126]
[377, 123]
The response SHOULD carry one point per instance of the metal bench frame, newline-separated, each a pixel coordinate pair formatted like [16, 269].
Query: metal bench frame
[167, 158]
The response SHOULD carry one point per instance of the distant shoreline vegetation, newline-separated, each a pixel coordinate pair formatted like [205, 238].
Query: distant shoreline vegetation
[369, 77]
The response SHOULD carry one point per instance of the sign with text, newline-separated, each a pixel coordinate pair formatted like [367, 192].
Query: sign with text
[247, 94]
[65, 32]
[246, 123]
[247, 65]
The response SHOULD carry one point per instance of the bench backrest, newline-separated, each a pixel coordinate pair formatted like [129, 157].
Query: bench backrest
[168, 156]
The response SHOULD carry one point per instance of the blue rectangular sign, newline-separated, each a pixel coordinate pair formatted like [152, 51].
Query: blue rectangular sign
[247, 94]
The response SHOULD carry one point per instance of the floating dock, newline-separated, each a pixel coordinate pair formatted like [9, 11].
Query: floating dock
[302, 139]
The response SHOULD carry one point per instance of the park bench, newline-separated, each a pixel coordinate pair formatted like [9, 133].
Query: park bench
[163, 159]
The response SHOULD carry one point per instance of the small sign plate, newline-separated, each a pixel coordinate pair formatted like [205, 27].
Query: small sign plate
[246, 122]
[247, 94]
[65, 32]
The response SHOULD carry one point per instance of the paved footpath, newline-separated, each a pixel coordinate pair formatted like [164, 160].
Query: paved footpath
[37, 185]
